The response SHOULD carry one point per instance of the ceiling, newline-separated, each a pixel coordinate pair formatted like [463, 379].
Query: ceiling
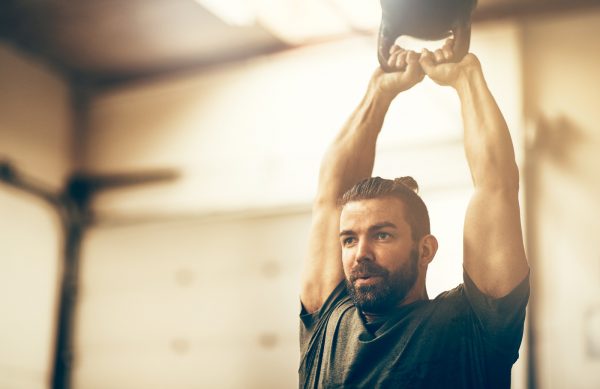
[109, 41]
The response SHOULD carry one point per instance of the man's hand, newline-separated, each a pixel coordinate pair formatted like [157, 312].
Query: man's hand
[441, 70]
[407, 73]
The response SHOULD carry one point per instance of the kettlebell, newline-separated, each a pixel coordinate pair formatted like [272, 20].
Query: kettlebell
[426, 20]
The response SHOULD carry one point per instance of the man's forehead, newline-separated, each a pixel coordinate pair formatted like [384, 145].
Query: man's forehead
[372, 212]
[381, 204]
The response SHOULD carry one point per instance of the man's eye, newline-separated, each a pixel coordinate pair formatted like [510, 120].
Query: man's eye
[382, 235]
[348, 241]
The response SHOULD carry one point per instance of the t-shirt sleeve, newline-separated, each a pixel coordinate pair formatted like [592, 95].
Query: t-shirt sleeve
[309, 322]
[501, 319]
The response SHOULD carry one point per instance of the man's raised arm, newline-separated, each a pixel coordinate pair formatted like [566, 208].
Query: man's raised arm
[494, 254]
[348, 160]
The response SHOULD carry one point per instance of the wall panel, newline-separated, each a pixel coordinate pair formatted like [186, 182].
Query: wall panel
[561, 72]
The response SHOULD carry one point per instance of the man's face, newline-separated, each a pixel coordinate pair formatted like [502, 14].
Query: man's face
[379, 256]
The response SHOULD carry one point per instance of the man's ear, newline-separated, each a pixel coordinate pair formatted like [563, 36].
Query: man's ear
[427, 248]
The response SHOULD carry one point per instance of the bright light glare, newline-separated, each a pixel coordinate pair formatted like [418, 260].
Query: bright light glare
[297, 21]
[362, 14]
[417, 45]
[232, 12]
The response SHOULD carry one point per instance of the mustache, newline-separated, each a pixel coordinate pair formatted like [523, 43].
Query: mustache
[367, 269]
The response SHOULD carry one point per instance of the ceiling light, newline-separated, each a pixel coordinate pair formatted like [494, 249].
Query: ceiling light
[299, 21]
[232, 12]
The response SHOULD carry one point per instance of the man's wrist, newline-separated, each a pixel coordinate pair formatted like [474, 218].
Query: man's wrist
[378, 95]
[469, 76]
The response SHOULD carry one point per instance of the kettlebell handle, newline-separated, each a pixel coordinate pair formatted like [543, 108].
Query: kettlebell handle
[462, 41]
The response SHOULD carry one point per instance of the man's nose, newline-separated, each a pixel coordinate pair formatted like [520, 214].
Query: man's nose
[363, 252]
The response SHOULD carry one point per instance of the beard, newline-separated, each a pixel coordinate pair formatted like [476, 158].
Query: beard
[387, 293]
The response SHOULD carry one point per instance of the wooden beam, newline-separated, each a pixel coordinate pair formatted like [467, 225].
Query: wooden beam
[521, 8]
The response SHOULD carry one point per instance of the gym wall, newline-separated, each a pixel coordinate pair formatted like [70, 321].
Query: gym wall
[562, 84]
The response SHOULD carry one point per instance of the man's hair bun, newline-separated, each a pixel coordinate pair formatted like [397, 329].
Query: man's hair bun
[408, 182]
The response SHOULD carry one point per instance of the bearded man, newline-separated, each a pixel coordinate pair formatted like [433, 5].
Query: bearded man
[366, 320]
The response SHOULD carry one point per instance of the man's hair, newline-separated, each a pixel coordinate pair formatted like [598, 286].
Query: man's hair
[404, 188]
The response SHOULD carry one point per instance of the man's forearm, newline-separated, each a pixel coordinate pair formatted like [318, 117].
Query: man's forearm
[351, 156]
[348, 160]
[493, 253]
[488, 145]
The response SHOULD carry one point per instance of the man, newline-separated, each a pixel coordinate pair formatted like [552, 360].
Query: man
[366, 320]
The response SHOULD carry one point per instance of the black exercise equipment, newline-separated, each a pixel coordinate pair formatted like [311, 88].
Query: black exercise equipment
[427, 20]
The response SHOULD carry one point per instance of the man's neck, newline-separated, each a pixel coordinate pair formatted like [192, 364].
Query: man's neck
[372, 317]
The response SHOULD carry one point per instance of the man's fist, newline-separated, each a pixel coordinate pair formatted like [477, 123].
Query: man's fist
[407, 72]
[440, 69]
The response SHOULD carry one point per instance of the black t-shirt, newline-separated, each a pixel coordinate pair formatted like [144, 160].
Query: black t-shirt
[461, 339]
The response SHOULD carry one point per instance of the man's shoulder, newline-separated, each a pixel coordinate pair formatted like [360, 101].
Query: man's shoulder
[452, 302]
[454, 295]
[338, 301]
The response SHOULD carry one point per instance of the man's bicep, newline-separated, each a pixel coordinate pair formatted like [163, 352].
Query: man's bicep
[494, 255]
[323, 265]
